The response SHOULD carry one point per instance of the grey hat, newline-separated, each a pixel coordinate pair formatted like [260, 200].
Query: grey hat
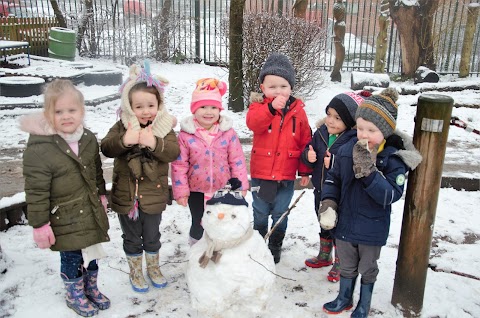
[381, 110]
[279, 65]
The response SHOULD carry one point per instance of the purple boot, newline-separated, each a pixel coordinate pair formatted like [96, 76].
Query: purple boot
[76, 299]
[92, 292]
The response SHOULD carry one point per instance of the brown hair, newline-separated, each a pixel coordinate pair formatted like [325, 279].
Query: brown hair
[52, 93]
[144, 88]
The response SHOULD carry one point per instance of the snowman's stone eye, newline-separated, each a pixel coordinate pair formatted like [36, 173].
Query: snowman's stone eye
[234, 216]
[208, 212]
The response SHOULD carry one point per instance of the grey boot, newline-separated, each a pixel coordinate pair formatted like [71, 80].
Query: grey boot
[76, 299]
[136, 274]
[275, 245]
[153, 270]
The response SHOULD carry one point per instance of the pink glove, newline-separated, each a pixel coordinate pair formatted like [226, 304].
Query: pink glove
[104, 200]
[43, 236]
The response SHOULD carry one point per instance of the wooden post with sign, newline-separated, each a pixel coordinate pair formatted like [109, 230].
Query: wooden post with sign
[430, 138]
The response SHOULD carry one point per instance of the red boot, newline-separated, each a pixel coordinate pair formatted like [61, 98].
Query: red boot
[324, 257]
[334, 273]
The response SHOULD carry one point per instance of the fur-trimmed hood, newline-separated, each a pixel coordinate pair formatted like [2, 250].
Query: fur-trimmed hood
[163, 122]
[259, 97]
[187, 124]
[256, 97]
[320, 122]
[411, 156]
[36, 124]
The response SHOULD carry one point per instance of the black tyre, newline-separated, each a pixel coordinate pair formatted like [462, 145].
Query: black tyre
[103, 77]
[21, 86]
[78, 65]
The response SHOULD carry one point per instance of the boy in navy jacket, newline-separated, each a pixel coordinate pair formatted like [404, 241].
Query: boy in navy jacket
[368, 175]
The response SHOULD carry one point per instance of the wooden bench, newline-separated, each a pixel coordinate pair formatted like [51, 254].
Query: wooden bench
[6, 46]
[35, 31]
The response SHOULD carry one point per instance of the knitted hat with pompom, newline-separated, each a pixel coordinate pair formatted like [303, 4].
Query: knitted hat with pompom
[208, 92]
[381, 110]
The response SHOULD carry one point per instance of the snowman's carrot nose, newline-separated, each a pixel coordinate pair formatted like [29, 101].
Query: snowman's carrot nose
[221, 215]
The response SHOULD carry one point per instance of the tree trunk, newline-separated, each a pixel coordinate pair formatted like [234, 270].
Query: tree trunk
[300, 9]
[414, 25]
[162, 32]
[58, 14]
[382, 37]
[472, 16]
[235, 78]
[85, 20]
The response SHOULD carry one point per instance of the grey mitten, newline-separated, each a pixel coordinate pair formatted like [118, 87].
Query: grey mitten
[327, 214]
[364, 159]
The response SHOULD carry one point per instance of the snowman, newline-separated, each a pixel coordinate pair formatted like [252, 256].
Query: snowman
[230, 270]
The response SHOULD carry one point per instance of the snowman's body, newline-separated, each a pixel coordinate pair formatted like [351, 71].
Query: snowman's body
[241, 282]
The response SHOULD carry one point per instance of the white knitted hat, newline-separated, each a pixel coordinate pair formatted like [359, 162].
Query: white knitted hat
[163, 122]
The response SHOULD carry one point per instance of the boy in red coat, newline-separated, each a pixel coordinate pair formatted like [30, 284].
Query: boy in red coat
[280, 133]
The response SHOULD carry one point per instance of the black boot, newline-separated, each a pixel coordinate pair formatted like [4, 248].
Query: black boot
[363, 306]
[261, 229]
[275, 245]
[344, 300]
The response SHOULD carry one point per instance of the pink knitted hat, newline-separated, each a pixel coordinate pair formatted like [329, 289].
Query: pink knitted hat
[208, 92]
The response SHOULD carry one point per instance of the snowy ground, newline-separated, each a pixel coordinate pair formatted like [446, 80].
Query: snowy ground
[32, 286]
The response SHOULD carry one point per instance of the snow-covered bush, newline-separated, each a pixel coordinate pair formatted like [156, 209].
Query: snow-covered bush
[302, 41]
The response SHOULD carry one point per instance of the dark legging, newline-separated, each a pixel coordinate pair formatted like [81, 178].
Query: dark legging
[71, 264]
[197, 207]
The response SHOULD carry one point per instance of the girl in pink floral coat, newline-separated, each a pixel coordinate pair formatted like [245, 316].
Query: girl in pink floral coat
[210, 153]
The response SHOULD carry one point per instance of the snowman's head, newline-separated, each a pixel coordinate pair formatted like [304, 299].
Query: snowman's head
[226, 222]
[226, 215]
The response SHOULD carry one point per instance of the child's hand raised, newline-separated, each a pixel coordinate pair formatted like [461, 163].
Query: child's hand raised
[326, 159]
[279, 102]
[311, 155]
[147, 138]
[131, 136]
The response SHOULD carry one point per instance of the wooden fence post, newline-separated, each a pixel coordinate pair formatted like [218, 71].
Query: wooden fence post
[472, 16]
[430, 138]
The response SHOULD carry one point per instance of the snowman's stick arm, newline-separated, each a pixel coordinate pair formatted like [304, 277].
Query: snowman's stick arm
[284, 215]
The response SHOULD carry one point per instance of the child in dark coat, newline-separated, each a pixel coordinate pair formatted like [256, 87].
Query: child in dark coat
[65, 193]
[368, 175]
[143, 144]
[332, 132]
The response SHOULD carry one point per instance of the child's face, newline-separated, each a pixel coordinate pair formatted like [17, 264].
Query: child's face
[367, 130]
[144, 106]
[334, 123]
[207, 116]
[68, 113]
[274, 86]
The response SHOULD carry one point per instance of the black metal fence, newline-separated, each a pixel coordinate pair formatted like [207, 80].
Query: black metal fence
[195, 30]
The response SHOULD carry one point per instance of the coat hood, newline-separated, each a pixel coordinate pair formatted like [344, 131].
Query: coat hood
[36, 124]
[187, 124]
[411, 156]
[163, 122]
[259, 98]
[320, 122]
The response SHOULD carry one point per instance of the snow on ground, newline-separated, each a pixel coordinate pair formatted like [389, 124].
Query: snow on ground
[32, 286]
